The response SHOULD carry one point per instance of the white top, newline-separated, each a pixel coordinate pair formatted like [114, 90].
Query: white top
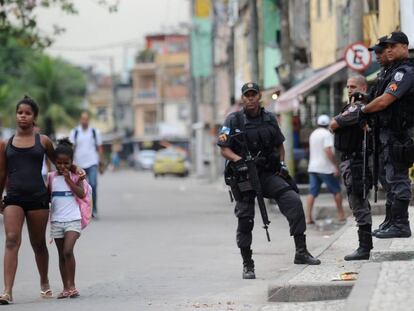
[319, 162]
[86, 153]
[64, 205]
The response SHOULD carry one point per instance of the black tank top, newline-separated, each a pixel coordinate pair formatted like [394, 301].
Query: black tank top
[24, 171]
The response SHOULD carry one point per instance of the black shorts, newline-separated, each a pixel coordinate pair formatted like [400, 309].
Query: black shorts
[27, 205]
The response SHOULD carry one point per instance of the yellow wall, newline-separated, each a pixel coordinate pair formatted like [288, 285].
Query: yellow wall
[324, 28]
[387, 21]
[323, 34]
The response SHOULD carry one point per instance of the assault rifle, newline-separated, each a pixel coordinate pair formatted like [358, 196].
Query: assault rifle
[364, 164]
[253, 175]
[375, 151]
[255, 181]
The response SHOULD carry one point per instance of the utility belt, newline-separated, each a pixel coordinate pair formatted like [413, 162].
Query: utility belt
[351, 156]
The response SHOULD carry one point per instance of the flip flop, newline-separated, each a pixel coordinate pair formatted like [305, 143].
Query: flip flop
[73, 293]
[46, 294]
[5, 299]
[64, 294]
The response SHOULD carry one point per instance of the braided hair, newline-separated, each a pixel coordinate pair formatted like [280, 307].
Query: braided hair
[65, 147]
[26, 100]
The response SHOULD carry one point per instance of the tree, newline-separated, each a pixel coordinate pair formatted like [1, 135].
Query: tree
[59, 88]
[18, 19]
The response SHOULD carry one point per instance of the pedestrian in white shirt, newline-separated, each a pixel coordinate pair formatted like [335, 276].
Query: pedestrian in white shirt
[323, 168]
[88, 153]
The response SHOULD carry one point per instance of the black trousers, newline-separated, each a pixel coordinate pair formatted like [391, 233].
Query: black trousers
[290, 205]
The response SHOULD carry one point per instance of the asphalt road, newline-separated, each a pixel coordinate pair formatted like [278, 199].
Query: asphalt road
[161, 244]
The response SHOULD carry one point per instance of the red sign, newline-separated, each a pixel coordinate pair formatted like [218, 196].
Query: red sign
[357, 56]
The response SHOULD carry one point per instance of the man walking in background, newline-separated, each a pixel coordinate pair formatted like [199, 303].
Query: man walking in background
[88, 153]
[323, 168]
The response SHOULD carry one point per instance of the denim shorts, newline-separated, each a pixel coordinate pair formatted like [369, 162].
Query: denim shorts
[58, 229]
[316, 180]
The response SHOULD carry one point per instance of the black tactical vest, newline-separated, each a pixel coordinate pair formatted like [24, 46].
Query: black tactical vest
[399, 116]
[262, 134]
[349, 139]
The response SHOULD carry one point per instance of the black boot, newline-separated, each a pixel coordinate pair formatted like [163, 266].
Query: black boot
[248, 263]
[365, 244]
[387, 221]
[400, 226]
[302, 256]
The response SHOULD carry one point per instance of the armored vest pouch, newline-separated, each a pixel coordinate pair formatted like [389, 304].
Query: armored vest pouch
[349, 139]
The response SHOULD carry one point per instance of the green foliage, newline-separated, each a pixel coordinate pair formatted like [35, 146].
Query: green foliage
[57, 86]
[59, 89]
[18, 18]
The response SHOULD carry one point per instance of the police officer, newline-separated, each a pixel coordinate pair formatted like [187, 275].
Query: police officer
[264, 139]
[396, 118]
[383, 78]
[349, 139]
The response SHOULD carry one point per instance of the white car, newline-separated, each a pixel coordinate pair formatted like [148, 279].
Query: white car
[144, 159]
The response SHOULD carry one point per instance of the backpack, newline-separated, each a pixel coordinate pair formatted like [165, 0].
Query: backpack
[93, 134]
[85, 203]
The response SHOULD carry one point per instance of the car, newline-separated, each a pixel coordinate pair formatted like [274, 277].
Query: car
[144, 159]
[170, 161]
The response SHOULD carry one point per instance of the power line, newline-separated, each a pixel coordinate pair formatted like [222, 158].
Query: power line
[120, 44]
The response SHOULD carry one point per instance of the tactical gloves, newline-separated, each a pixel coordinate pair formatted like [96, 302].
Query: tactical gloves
[240, 166]
[283, 171]
[358, 97]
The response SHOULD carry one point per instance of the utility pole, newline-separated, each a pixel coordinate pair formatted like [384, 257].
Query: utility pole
[286, 117]
[253, 36]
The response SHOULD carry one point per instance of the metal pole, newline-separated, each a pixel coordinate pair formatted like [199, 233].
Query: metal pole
[253, 35]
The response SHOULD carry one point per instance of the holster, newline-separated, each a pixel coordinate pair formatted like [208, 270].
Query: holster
[240, 185]
[403, 152]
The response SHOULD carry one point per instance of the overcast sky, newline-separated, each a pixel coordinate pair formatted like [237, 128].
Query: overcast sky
[94, 36]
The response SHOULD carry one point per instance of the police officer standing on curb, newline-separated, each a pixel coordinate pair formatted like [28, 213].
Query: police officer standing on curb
[396, 118]
[264, 140]
[349, 139]
[383, 78]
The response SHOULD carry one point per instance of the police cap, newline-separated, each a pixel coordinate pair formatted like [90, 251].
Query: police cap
[397, 37]
[379, 45]
[250, 86]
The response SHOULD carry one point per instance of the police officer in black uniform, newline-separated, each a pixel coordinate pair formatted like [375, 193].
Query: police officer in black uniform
[383, 78]
[349, 139]
[264, 140]
[396, 118]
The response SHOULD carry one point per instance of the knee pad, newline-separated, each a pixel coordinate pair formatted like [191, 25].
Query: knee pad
[245, 225]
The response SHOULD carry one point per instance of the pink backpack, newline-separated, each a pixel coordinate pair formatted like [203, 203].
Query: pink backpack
[85, 204]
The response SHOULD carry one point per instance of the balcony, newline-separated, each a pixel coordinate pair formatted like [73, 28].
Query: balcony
[146, 97]
[151, 129]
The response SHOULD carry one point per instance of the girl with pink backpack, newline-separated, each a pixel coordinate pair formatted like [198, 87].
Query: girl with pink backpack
[71, 211]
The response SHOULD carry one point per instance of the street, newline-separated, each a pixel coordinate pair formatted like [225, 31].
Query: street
[162, 244]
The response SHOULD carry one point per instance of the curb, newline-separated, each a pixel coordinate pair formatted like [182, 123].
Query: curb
[360, 296]
[278, 289]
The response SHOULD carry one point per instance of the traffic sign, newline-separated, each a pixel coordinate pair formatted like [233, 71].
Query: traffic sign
[357, 56]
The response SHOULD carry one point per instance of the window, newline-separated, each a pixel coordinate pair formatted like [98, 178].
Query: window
[373, 6]
[330, 6]
[318, 9]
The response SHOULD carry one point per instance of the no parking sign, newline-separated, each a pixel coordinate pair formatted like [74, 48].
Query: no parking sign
[357, 56]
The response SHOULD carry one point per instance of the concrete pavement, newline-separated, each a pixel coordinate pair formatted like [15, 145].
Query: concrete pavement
[164, 244]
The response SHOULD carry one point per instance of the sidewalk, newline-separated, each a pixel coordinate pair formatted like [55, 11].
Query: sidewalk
[381, 281]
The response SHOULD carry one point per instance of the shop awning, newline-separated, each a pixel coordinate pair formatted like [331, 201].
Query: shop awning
[290, 100]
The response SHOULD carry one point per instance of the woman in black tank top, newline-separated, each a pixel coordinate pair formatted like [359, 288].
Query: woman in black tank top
[21, 160]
